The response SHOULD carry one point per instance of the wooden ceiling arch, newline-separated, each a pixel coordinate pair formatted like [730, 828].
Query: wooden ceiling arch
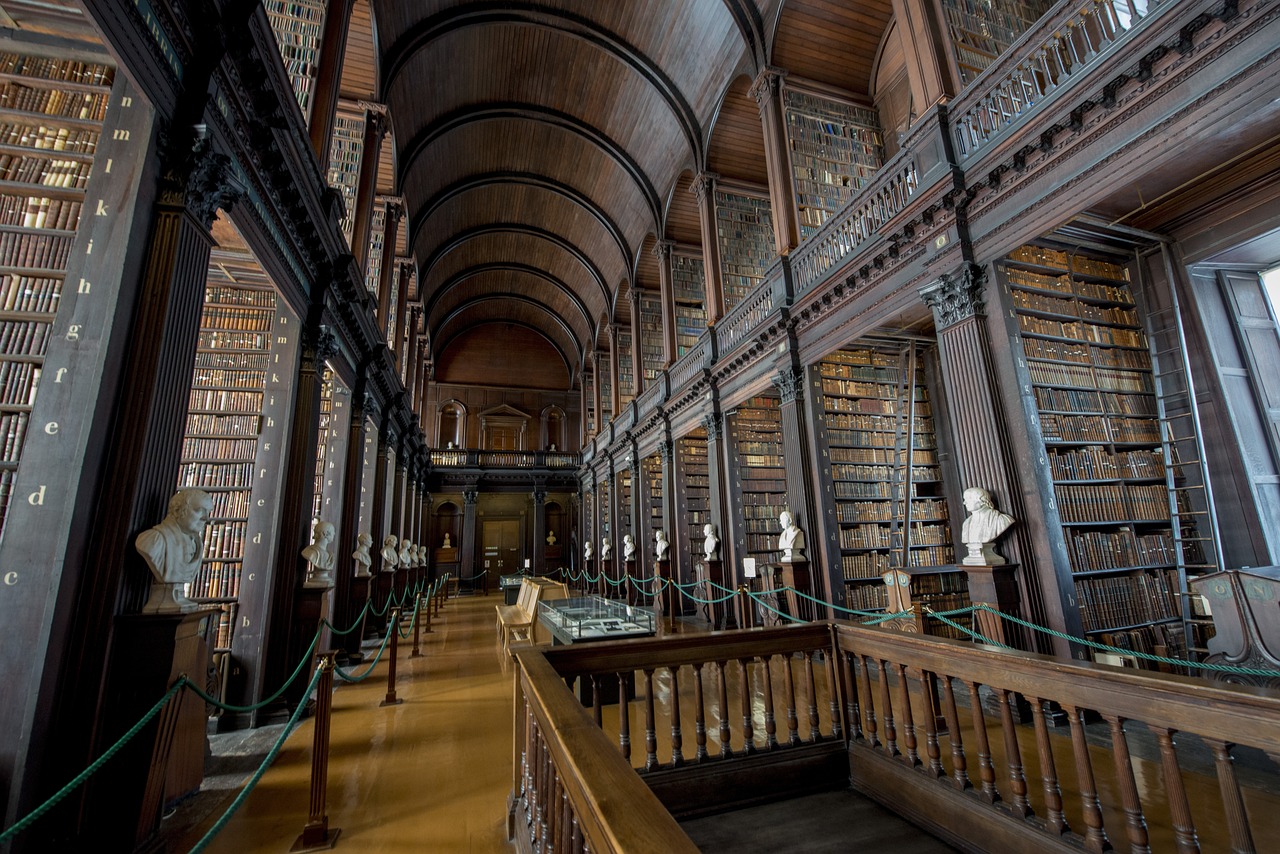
[520, 311]
[570, 300]
[442, 125]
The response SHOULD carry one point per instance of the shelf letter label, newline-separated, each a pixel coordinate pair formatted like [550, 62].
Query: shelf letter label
[51, 428]
[85, 285]
[101, 209]
[36, 499]
[11, 578]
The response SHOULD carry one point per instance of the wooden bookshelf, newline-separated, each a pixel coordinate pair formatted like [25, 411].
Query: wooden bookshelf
[651, 471]
[1089, 369]
[51, 113]
[695, 490]
[344, 163]
[760, 485]
[324, 436]
[589, 416]
[651, 326]
[373, 270]
[883, 468]
[744, 224]
[626, 375]
[625, 523]
[605, 505]
[981, 30]
[689, 288]
[223, 422]
[298, 25]
[606, 391]
[835, 147]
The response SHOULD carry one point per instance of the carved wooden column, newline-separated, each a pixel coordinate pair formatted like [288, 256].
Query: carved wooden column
[595, 387]
[979, 432]
[638, 528]
[539, 496]
[398, 489]
[637, 360]
[396, 337]
[470, 497]
[285, 641]
[350, 592]
[324, 100]
[717, 479]
[798, 454]
[380, 525]
[767, 91]
[663, 250]
[393, 212]
[704, 188]
[375, 128]
[409, 362]
[582, 408]
[615, 393]
[929, 72]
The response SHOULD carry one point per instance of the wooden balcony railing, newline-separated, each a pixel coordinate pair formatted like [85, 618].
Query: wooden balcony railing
[690, 364]
[458, 458]
[1062, 45]
[746, 315]
[961, 738]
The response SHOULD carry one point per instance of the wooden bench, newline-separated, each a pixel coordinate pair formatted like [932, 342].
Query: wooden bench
[517, 622]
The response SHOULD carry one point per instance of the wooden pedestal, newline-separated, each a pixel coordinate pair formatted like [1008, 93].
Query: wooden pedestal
[795, 576]
[996, 586]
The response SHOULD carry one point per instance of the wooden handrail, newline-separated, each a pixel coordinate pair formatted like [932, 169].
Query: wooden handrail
[612, 808]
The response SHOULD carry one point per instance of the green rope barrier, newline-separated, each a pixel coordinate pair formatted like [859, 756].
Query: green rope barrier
[70, 787]
[405, 634]
[257, 775]
[227, 707]
[719, 601]
[1177, 662]
[354, 626]
[612, 583]
[941, 617]
[759, 600]
[354, 679]
[818, 601]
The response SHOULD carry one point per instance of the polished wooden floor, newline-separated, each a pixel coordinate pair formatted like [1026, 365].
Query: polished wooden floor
[434, 773]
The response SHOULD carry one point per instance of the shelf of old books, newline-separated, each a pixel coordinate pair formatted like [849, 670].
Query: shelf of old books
[344, 162]
[589, 412]
[223, 423]
[651, 471]
[745, 226]
[625, 526]
[626, 376]
[298, 25]
[981, 30]
[689, 288]
[1089, 368]
[51, 113]
[323, 442]
[835, 146]
[884, 470]
[694, 485]
[651, 333]
[606, 391]
[604, 509]
[760, 482]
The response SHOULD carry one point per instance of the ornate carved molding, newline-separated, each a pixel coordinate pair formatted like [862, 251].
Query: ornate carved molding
[319, 345]
[790, 383]
[539, 497]
[703, 183]
[956, 298]
[201, 180]
[470, 496]
[714, 425]
[663, 248]
[766, 85]
[666, 452]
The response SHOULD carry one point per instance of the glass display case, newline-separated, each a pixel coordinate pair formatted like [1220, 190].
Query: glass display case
[593, 618]
[510, 587]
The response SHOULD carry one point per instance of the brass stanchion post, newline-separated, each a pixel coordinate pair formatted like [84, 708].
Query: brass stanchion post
[746, 611]
[428, 597]
[417, 625]
[317, 835]
[394, 628]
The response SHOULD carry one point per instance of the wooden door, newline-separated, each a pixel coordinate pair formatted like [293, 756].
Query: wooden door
[500, 546]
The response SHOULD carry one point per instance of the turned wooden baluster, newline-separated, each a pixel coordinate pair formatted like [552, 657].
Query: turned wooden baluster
[815, 725]
[700, 722]
[526, 767]
[650, 730]
[1232, 803]
[934, 766]
[789, 688]
[912, 758]
[886, 711]
[576, 842]
[1135, 824]
[852, 711]
[770, 723]
[539, 777]
[1019, 806]
[986, 771]
[725, 750]
[597, 702]
[1095, 835]
[959, 766]
[624, 721]
[553, 813]
[677, 735]
[868, 701]
[565, 822]
[1184, 828]
[748, 730]
[1054, 818]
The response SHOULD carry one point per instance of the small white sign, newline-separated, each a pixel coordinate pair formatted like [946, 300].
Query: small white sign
[526, 563]
[486, 564]
[749, 567]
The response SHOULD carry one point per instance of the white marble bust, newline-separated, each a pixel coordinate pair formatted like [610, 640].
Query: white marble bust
[661, 545]
[710, 545]
[551, 538]
[446, 544]
[419, 555]
[586, 551]
[318, 557]
[628, 547]
[361, 557]
[982, 527]
[173, 550]
[605, 548]
[791, 540]
[406, 559]
[390, 557]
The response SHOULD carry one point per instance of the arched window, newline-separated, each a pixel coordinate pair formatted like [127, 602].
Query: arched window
[451, 429]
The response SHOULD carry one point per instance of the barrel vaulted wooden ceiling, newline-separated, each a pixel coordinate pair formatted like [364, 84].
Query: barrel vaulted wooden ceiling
[542, 149]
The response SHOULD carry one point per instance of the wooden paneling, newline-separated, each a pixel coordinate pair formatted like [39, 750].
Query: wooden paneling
[736, 148]
[682, 214]
[519, 284]
[359, 80]
[483, 356]
[831, 41]
[647, 266]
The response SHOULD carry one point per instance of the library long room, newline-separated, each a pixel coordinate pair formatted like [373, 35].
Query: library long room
[732, 425]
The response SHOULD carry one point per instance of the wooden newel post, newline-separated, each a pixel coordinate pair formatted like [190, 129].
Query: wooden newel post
[417, 625]
[747, 615]
[393, 626]
[317, 835]
[428, 597]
